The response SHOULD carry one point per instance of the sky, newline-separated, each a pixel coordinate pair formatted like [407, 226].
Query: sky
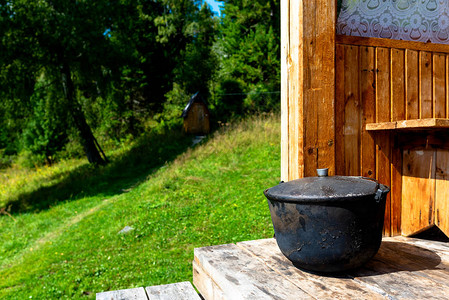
[214, 4]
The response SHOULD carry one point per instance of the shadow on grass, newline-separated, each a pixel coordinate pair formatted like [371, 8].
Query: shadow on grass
[123, 172]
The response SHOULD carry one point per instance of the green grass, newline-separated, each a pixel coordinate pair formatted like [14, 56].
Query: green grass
[60, 237]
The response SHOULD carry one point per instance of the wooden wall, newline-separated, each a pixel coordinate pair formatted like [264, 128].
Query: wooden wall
[378, 81]
[332, 87]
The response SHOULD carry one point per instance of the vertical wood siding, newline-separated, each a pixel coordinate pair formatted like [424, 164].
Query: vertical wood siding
[384, 84]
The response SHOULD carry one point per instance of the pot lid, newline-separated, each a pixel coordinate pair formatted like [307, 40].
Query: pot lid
[323, 189]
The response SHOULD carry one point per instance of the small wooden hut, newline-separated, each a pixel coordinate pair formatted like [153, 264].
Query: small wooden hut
[196, 116]
[370, 101]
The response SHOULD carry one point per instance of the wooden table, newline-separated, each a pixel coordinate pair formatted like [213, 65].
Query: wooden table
[174, 291]
[404, 268]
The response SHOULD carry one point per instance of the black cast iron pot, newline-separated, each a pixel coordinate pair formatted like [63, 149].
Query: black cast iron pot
[328, 224]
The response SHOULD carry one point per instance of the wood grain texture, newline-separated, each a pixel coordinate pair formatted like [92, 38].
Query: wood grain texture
[383, 104]
[312, 73]
[390, 43]
[404, 268]
[206, 284]
[368, 99]
[352, 123]
[240, 276]
[424, 124]
[442, 191]
[340, 110]
[418, 190]
[383, 114]
[320, 287]
[131, 294]
[383, 172]
[396, 188]
[404, 271]
[397, 84]
[439, 85]
[447, 86]
[425, 82]
[285, 53]
[173, 291]
[308, 84]
[412, 84]
[295, 91]
[325, 58]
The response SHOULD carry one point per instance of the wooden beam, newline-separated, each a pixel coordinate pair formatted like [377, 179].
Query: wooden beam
[390, 43]
[307, 87]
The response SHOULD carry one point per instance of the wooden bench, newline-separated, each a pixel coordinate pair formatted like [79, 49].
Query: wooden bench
[174, 291]
[404, 268]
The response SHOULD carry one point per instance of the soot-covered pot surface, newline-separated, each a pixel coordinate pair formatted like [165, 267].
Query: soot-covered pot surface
[328, 224]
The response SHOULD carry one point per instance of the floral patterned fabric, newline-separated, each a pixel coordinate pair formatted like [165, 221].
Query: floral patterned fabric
[410, 20]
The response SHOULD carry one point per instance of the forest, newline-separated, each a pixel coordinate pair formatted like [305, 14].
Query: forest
[77, 77]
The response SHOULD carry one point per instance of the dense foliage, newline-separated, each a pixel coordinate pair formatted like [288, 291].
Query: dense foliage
[77, 74]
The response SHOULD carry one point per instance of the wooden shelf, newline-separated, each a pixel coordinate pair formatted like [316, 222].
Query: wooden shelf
[418, 124]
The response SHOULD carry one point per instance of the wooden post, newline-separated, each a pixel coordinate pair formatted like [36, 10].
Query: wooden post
[307, 87]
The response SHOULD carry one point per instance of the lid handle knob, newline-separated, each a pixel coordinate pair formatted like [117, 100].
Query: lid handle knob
[323, 172]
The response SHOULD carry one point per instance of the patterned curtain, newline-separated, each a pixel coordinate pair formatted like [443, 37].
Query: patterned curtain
[409, 20]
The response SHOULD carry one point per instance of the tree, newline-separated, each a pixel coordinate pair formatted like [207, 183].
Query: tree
[248, 46]
[65, 38]
[113, 63]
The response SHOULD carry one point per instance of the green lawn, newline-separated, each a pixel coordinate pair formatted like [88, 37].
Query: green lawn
[60, 236]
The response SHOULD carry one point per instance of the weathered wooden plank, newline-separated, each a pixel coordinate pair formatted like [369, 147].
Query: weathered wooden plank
[340, 110]
[396, 189]
[397, 283]
[390, 43]
[397, 84]
[368, 95]
[321, 287]
[383, 114]
[352, 125]
[412, 84]
[173, 291]
[439, 85]
[418, 190]
[398, 112]
[383, 108]
[325, 59]
[295, 92]
[206, 284]
[409, 124]
[442, 191]
[312, 87]
[425, 81]
[419, 262]
[285, 56]
[242, 276]
[404, 268]
[447, 85]
[440, 248]
[381, 126]
[383, 171]
[408, 257]
[131, 294]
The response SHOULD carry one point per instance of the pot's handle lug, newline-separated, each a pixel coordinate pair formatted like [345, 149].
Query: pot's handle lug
[378, 196]
[381, 192]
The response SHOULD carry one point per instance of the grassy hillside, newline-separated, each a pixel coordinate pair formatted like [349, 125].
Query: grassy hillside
[60, 236]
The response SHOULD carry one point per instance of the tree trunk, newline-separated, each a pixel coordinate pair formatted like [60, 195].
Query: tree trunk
[91, 146]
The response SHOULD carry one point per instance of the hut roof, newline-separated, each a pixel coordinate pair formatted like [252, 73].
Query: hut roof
[194, 99]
